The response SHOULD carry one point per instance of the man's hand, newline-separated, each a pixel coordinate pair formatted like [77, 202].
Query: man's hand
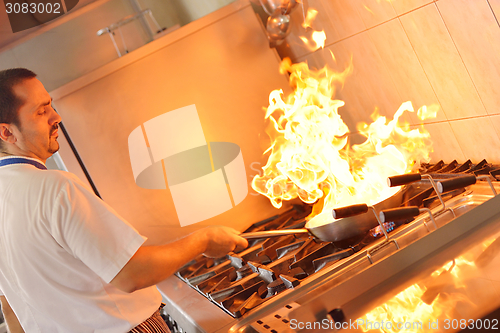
[222, 240]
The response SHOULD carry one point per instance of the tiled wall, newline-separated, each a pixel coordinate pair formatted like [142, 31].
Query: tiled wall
[444, 52]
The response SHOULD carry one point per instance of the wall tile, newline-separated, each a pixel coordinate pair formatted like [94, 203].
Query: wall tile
[406, 71]
[319, 59]
[495, 5]
[495, 120]
[477, 138]
[442, 63]
[476, 34]
[374, 12]
[344, 16]
[370, 85]
[404, 6]
[445, 144]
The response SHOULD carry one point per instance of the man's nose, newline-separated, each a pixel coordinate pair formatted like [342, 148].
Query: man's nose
[55, 117]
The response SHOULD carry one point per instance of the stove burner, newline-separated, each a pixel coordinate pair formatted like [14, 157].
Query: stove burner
[306, 262]
[440, 168]
[289, 281]
[377, 231]
[331, 258]
[275, 287]
[243, 271]
[298, 273]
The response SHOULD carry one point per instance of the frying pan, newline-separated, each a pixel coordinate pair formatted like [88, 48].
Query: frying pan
[350, 221]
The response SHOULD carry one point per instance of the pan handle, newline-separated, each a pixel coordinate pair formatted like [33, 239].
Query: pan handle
[455, 183]
[273, 233]
[343, 212]
[403, 179]
[398, 214]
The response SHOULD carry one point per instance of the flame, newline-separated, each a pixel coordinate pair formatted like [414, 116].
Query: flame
[408, 307]
[368, 9]
[460, 262]
[310, 155]
[428, 112]
[397, 311]
[310, 17]
[318, 37]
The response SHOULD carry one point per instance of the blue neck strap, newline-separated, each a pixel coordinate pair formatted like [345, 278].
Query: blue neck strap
[21, 160]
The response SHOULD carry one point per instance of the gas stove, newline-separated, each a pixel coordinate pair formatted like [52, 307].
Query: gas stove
[278, 284]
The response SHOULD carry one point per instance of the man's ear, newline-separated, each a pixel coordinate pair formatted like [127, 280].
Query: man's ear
[6, 133]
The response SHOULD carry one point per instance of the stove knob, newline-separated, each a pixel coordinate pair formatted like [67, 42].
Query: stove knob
[336, 315]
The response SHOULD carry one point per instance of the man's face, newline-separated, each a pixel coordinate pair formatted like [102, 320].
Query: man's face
[38, 122]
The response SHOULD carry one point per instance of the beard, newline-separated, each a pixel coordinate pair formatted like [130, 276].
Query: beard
[53, 145]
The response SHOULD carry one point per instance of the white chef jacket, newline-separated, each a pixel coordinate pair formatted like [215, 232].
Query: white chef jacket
[60, 246]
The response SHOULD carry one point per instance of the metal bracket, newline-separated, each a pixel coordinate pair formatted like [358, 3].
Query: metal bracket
[387, 239]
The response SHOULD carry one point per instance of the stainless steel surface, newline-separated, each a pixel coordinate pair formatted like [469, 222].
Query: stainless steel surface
[278, 25]
[285, 6]
[359, 294]
[192, 311]
[356, 285]
[270, 6]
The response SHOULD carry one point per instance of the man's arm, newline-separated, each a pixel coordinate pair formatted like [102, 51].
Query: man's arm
[13, 324]
[153, 264]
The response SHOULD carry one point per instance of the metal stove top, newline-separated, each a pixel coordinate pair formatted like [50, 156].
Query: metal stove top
[298, 279]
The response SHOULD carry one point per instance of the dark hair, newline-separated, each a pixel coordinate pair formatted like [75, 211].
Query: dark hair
[9, 102]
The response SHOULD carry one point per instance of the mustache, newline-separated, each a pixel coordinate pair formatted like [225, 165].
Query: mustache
[54, 128]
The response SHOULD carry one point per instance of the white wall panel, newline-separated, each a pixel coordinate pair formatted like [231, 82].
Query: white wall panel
[375, 12]
[405, 6]
[403, 65]
[476, 34]
[478, 139]
[442, 63]
[445, 144]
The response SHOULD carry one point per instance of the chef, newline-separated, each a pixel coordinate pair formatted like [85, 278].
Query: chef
[69, 262]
